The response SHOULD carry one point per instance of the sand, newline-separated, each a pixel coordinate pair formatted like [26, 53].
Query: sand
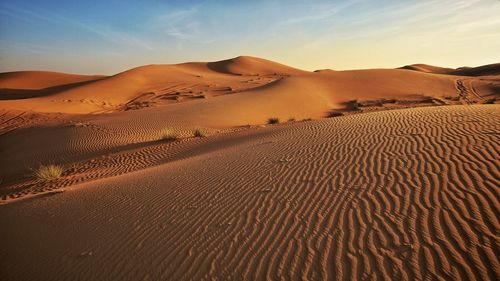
[485, 70]
[405, 194]
[403, 184]
[217, 96]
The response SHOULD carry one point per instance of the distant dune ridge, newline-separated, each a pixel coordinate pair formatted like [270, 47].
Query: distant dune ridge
[485, 70]
[160, 84]
[35, 80]
[400, 183]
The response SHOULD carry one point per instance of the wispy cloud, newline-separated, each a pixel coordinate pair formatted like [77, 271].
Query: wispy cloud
[429, 18]
[182, 25]
[320, 12]
[107, 33]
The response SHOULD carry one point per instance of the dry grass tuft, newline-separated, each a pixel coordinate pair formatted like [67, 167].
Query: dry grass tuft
[199, 133]
[273, 120]
[49, 172]
[168, 134]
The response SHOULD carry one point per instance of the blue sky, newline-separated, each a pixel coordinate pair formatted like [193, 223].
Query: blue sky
[111, 36]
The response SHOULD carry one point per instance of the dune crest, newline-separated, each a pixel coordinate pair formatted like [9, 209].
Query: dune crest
[246, 65]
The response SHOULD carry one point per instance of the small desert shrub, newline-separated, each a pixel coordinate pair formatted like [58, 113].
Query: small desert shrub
[388, 100]
[168, 134]
[352, 105]
[273, 120]
[199, 133]
[490, 101]
[291, 119]
[335, 114]
[452, 98]
[369, 103]
[49, 172]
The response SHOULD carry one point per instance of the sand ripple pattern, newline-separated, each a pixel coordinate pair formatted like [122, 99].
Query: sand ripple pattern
[402, 195]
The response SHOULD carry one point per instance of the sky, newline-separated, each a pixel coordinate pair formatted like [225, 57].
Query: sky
[107, 37]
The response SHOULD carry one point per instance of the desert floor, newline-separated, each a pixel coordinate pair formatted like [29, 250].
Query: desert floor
[371, 174]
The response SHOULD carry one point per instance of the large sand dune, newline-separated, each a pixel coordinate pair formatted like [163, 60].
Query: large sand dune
[405, 194]
[151, 84]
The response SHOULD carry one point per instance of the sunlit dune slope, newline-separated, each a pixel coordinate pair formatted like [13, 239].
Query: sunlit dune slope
[157, 83]
[246, 65]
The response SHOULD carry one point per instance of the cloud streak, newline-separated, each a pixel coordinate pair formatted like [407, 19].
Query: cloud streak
[182, 25]
[107, 33]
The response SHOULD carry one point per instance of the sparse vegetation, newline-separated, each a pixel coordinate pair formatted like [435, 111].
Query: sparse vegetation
[291, 119]
[80, 124]
[452, 98]
[273, 120]
[370, 103]
[335, 114]
[199, 133]
[168, 134]
[490, 101]
[49, 172]
[352, 105]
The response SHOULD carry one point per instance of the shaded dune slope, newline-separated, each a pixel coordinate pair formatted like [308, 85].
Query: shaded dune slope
[427, 68]
[485, 70]
[406, 194]
[33, 80]
[33, 84]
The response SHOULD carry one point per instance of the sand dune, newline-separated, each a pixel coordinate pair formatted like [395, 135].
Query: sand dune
[428, 68]
[246, 65]
[485, 70]
[208, 95]
[404, 194]
[33, 84]
[34, 80]
[156, 85]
